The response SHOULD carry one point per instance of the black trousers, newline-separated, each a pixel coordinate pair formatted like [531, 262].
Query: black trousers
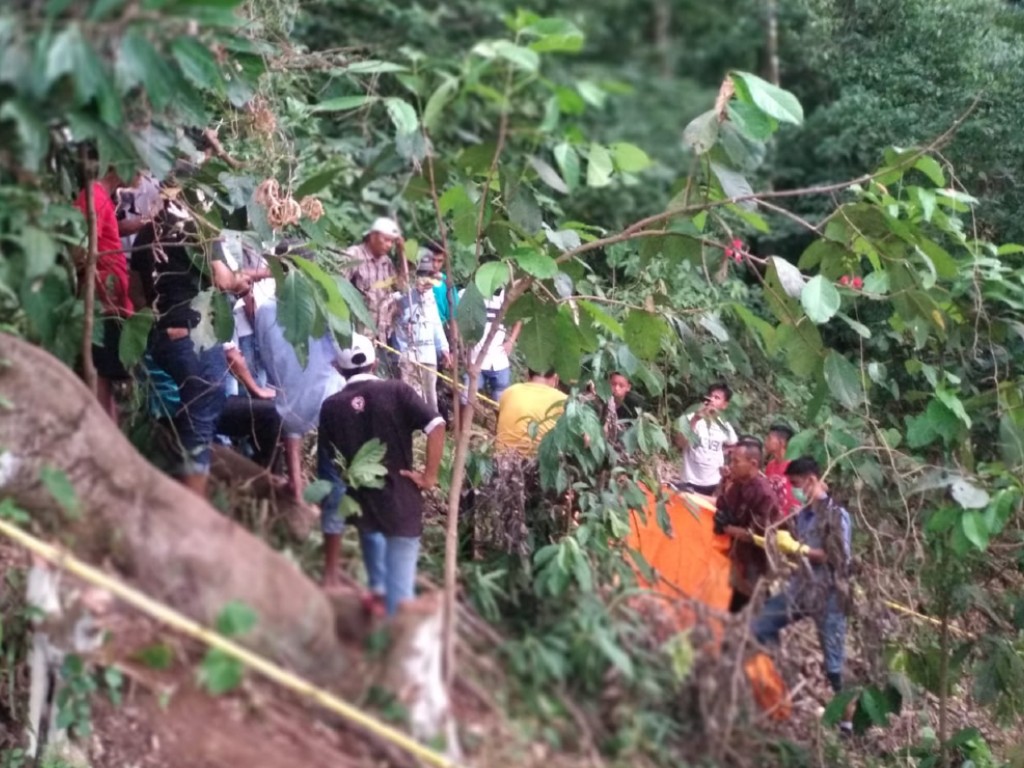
[257, 420]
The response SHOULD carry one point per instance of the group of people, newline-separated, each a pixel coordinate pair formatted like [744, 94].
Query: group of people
[272, 397]
[759, 493]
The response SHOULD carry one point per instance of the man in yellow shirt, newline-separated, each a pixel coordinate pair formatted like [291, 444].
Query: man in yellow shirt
[537, 401]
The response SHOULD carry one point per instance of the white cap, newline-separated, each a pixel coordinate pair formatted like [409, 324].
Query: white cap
[385, 226]
[358, 354]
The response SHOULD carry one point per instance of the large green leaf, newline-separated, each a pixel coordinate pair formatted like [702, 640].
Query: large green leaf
[930, 167]
[751, 121]
[789, 277]
[70, 54]
[198, 64]
[223, 316]
[40, 251]
[402, 115]
[296, 311]
[602, 318]
[316, 182]
[535, 262]
[471, 315]
[139, 63]
[332, 298]
[770, 99]
[492, 276]
[701, 133]
[820, 299]
[523, 210]
[843, 380]
[520, 57]
[32, 132]
[1011, 442]
[438, 100]
[568, 163]
[555, 35]
[802, 347]
[135, 337]
[537, 341]
[972, 524]
[354, 300]
[367, 470]
[344, 103]
[373, 67]
[745, 154]
[629, 158]
[644, 332]
[548, 174]
[734, 185]
[599, 166]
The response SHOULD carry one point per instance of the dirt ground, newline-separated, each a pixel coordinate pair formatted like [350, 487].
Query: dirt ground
[165, 720]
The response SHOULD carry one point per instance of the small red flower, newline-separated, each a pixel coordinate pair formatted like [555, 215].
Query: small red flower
[858, 283]
[738, 244]
[844, 280]
[728, 253]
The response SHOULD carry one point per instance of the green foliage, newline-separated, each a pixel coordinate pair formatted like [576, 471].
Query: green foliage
[366, 470]
[524, 129]
[59, 487]
[219, 672]
[74, 710]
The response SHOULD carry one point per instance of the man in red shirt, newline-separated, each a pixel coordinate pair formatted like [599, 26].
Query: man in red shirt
[775, 446]
[747, 506]
[111, 287]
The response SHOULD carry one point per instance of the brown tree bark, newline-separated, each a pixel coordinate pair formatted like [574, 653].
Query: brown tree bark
[160, 537]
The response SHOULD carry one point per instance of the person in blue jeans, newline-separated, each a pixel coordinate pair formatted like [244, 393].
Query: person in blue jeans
[171, 265]
[815, 591]
[391, 517]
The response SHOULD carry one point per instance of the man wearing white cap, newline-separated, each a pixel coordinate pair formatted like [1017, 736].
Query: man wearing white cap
[373, 273]
[391, 517]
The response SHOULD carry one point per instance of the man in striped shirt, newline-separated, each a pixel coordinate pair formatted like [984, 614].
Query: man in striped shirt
[374, 275]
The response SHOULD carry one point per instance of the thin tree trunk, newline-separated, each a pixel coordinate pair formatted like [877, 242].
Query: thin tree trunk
[943, 683]
[89, 287]
[772, 40]
[663, 36]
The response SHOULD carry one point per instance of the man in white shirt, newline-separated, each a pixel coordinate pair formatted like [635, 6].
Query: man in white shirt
[704, 446]
[495, 373]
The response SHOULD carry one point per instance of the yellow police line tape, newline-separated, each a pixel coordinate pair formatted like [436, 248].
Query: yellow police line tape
[449, 379]
[922, 617]
[188, 627]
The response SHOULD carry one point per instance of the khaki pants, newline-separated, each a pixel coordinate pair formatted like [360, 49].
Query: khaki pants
[422, 378]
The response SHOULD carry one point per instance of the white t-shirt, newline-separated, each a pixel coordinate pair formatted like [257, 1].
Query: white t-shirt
[495, 359]
[238, 256]
[704, 456]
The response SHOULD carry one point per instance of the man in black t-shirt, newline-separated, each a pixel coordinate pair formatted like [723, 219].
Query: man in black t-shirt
[170, 267]
[391, 518]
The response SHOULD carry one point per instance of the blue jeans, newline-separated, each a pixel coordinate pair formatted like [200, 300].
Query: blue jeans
[783, 609]
[490, 383]
[391, 566]
[200, 379]
[251, 352]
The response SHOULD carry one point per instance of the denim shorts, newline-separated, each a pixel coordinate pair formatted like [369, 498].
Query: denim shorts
[200, 378]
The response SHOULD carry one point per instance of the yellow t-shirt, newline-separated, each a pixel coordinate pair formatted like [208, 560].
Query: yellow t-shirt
[523, 405]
